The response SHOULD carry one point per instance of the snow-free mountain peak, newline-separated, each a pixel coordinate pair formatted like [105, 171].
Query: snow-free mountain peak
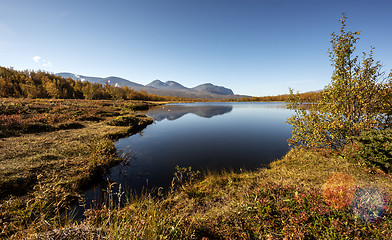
[175, 85]
[208, 87]
[157, 87]
[166, 85]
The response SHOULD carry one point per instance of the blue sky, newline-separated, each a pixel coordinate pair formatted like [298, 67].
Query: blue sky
[254, 47]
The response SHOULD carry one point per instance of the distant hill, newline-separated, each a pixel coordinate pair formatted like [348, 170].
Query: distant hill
[110, 80]
[172, 85]
[208, 87]
[169, 88]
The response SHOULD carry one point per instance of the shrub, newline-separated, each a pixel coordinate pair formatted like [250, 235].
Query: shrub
[358, 98]
[375, 148]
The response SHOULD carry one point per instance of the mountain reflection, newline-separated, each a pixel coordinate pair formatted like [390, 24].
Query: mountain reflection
[173, 112]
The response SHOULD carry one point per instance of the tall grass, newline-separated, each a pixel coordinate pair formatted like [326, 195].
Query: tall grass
[247, 206]
[44, 171]
[308, 194]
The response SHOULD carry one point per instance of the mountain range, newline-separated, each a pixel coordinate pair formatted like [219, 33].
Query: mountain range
[168, 88]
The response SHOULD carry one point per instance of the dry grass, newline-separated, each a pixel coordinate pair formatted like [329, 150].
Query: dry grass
[283, 202]
[287, 201]
[292, 199]
[313, 168]
[43, 172]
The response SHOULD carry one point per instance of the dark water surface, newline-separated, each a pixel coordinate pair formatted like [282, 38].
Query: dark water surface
[206, 136]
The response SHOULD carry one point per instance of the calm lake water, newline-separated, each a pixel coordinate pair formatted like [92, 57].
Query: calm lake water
[206, 136]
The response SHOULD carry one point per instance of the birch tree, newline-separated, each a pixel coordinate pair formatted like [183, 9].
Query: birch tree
[358, 98]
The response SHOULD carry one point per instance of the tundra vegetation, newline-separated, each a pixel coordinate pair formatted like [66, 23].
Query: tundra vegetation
[334, 184]
[52, 149]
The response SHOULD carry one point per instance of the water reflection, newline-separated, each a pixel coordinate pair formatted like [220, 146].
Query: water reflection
[215, 137]
[205, 136]
[173, 112]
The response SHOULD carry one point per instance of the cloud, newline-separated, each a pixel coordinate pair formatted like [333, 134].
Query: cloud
[47, 63]
[36, 58]
[42, 61]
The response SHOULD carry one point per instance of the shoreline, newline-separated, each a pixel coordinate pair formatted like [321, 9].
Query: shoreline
[52, 165]
[269, 203]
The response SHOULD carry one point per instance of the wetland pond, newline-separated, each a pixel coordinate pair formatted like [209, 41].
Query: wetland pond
[209, 137]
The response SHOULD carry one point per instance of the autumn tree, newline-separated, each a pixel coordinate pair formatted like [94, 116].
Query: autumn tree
[358, 98]
[40, 84]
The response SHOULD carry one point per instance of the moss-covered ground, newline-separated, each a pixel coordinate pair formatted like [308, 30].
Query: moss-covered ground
[308, 194]
[50, 150]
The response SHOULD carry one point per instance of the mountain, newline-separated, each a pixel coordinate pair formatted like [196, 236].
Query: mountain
[110, 80]
[166, 85]
[208, 87]
[122, 82]
[175, 85]
[157, 84]
[168, 88]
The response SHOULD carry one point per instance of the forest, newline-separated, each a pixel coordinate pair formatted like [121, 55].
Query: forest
[309, 97]
[41, 84]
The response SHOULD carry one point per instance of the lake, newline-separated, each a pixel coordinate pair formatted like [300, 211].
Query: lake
[210, 137]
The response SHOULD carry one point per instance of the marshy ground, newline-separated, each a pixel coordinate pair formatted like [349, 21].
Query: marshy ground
[51, 150]
[55, 148]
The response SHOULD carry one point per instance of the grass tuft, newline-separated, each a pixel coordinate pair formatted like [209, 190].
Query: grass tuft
[308, 194]
[50, 151]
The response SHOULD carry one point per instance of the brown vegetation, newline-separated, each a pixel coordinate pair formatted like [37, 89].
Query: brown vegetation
[307, 97]
[299, 196]
[287, 201]
[40, 84]
[50, 150]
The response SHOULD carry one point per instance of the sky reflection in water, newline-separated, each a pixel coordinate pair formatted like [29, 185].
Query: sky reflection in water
[205, 136]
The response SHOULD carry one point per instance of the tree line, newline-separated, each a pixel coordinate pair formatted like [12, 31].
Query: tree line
[41, 84]
[305, 97]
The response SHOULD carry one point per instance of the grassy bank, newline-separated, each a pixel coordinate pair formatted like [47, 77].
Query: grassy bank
[50, 150]
[308, 194]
